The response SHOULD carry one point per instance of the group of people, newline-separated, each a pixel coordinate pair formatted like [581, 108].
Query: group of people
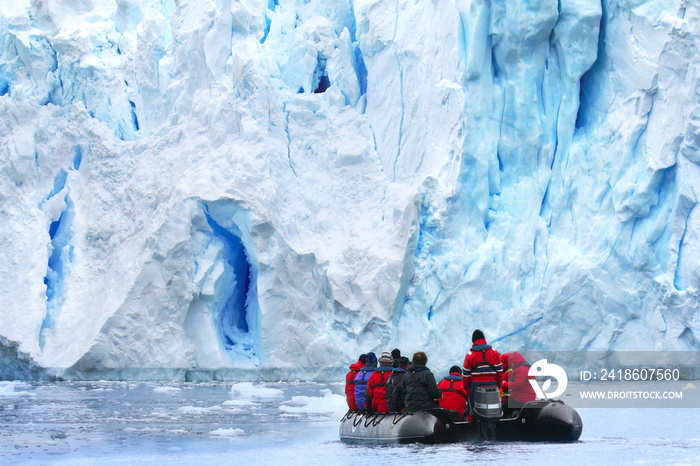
[390, 384]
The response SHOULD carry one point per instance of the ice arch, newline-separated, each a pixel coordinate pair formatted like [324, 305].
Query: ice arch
[226, 278]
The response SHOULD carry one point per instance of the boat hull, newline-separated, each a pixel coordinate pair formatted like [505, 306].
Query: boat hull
[431, 426]
[542, 421]
[538, 421]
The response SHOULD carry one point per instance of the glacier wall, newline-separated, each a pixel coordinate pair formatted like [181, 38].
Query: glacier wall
[260, 187]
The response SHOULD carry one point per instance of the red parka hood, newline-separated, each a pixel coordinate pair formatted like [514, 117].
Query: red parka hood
[515, 359]
[356, 366]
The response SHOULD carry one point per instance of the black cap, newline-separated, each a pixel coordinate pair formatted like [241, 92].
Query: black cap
[477, 335]
[396, 353]
[363, 358]
[455, 369]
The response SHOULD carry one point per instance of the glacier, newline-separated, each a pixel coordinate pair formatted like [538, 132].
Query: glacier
[267, 189]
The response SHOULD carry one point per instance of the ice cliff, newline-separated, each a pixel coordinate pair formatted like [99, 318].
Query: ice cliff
[221, 186]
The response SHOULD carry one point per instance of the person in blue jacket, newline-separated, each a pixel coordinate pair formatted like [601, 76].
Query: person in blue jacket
[361, 380]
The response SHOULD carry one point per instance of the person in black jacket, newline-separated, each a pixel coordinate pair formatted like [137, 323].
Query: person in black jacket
[418, 389]
[400, 370]
[396, 354]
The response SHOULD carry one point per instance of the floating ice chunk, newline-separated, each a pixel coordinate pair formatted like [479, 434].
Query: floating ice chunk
[248, 391]
[7, 389]
[199, 410]
[166, 389]
[144, 429]
[227, 432]
[329, 403]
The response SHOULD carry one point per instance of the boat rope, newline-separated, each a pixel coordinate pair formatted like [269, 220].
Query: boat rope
[369, 420]
[357, 420]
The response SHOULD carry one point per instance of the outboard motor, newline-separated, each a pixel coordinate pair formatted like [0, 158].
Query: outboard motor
[487, 410]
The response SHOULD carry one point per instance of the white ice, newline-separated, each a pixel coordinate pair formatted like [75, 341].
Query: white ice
[166, 389]
[227, 432]
[9, 390]
[249, 392]
[328, 403]
[217, 188]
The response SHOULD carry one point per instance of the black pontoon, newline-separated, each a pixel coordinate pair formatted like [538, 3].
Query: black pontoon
[538, 421]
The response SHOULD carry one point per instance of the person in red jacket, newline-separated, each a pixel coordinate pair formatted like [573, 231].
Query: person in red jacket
[454, 397]
[482, 366]
[517, 386]
[350, 382]
[376, 385]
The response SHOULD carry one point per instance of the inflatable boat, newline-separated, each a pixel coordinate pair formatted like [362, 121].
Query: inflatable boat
[537, 421]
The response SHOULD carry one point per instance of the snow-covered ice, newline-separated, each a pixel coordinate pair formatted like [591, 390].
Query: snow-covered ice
[227, 432]
[327, 403]
[194, 189]
[166, 389]
[249, 392]
[10, 389]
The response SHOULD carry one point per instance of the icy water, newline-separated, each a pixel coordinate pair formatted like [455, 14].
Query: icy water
[245, 424]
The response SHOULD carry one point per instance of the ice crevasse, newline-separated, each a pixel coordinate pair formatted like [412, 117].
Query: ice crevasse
[256, 188]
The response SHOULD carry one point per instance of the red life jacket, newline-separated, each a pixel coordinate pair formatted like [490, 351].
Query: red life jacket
[350, 385]
[453, 395]
[376, 390]
[483, 364]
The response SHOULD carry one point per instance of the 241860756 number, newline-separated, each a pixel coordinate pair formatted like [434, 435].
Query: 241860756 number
[640, 374]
